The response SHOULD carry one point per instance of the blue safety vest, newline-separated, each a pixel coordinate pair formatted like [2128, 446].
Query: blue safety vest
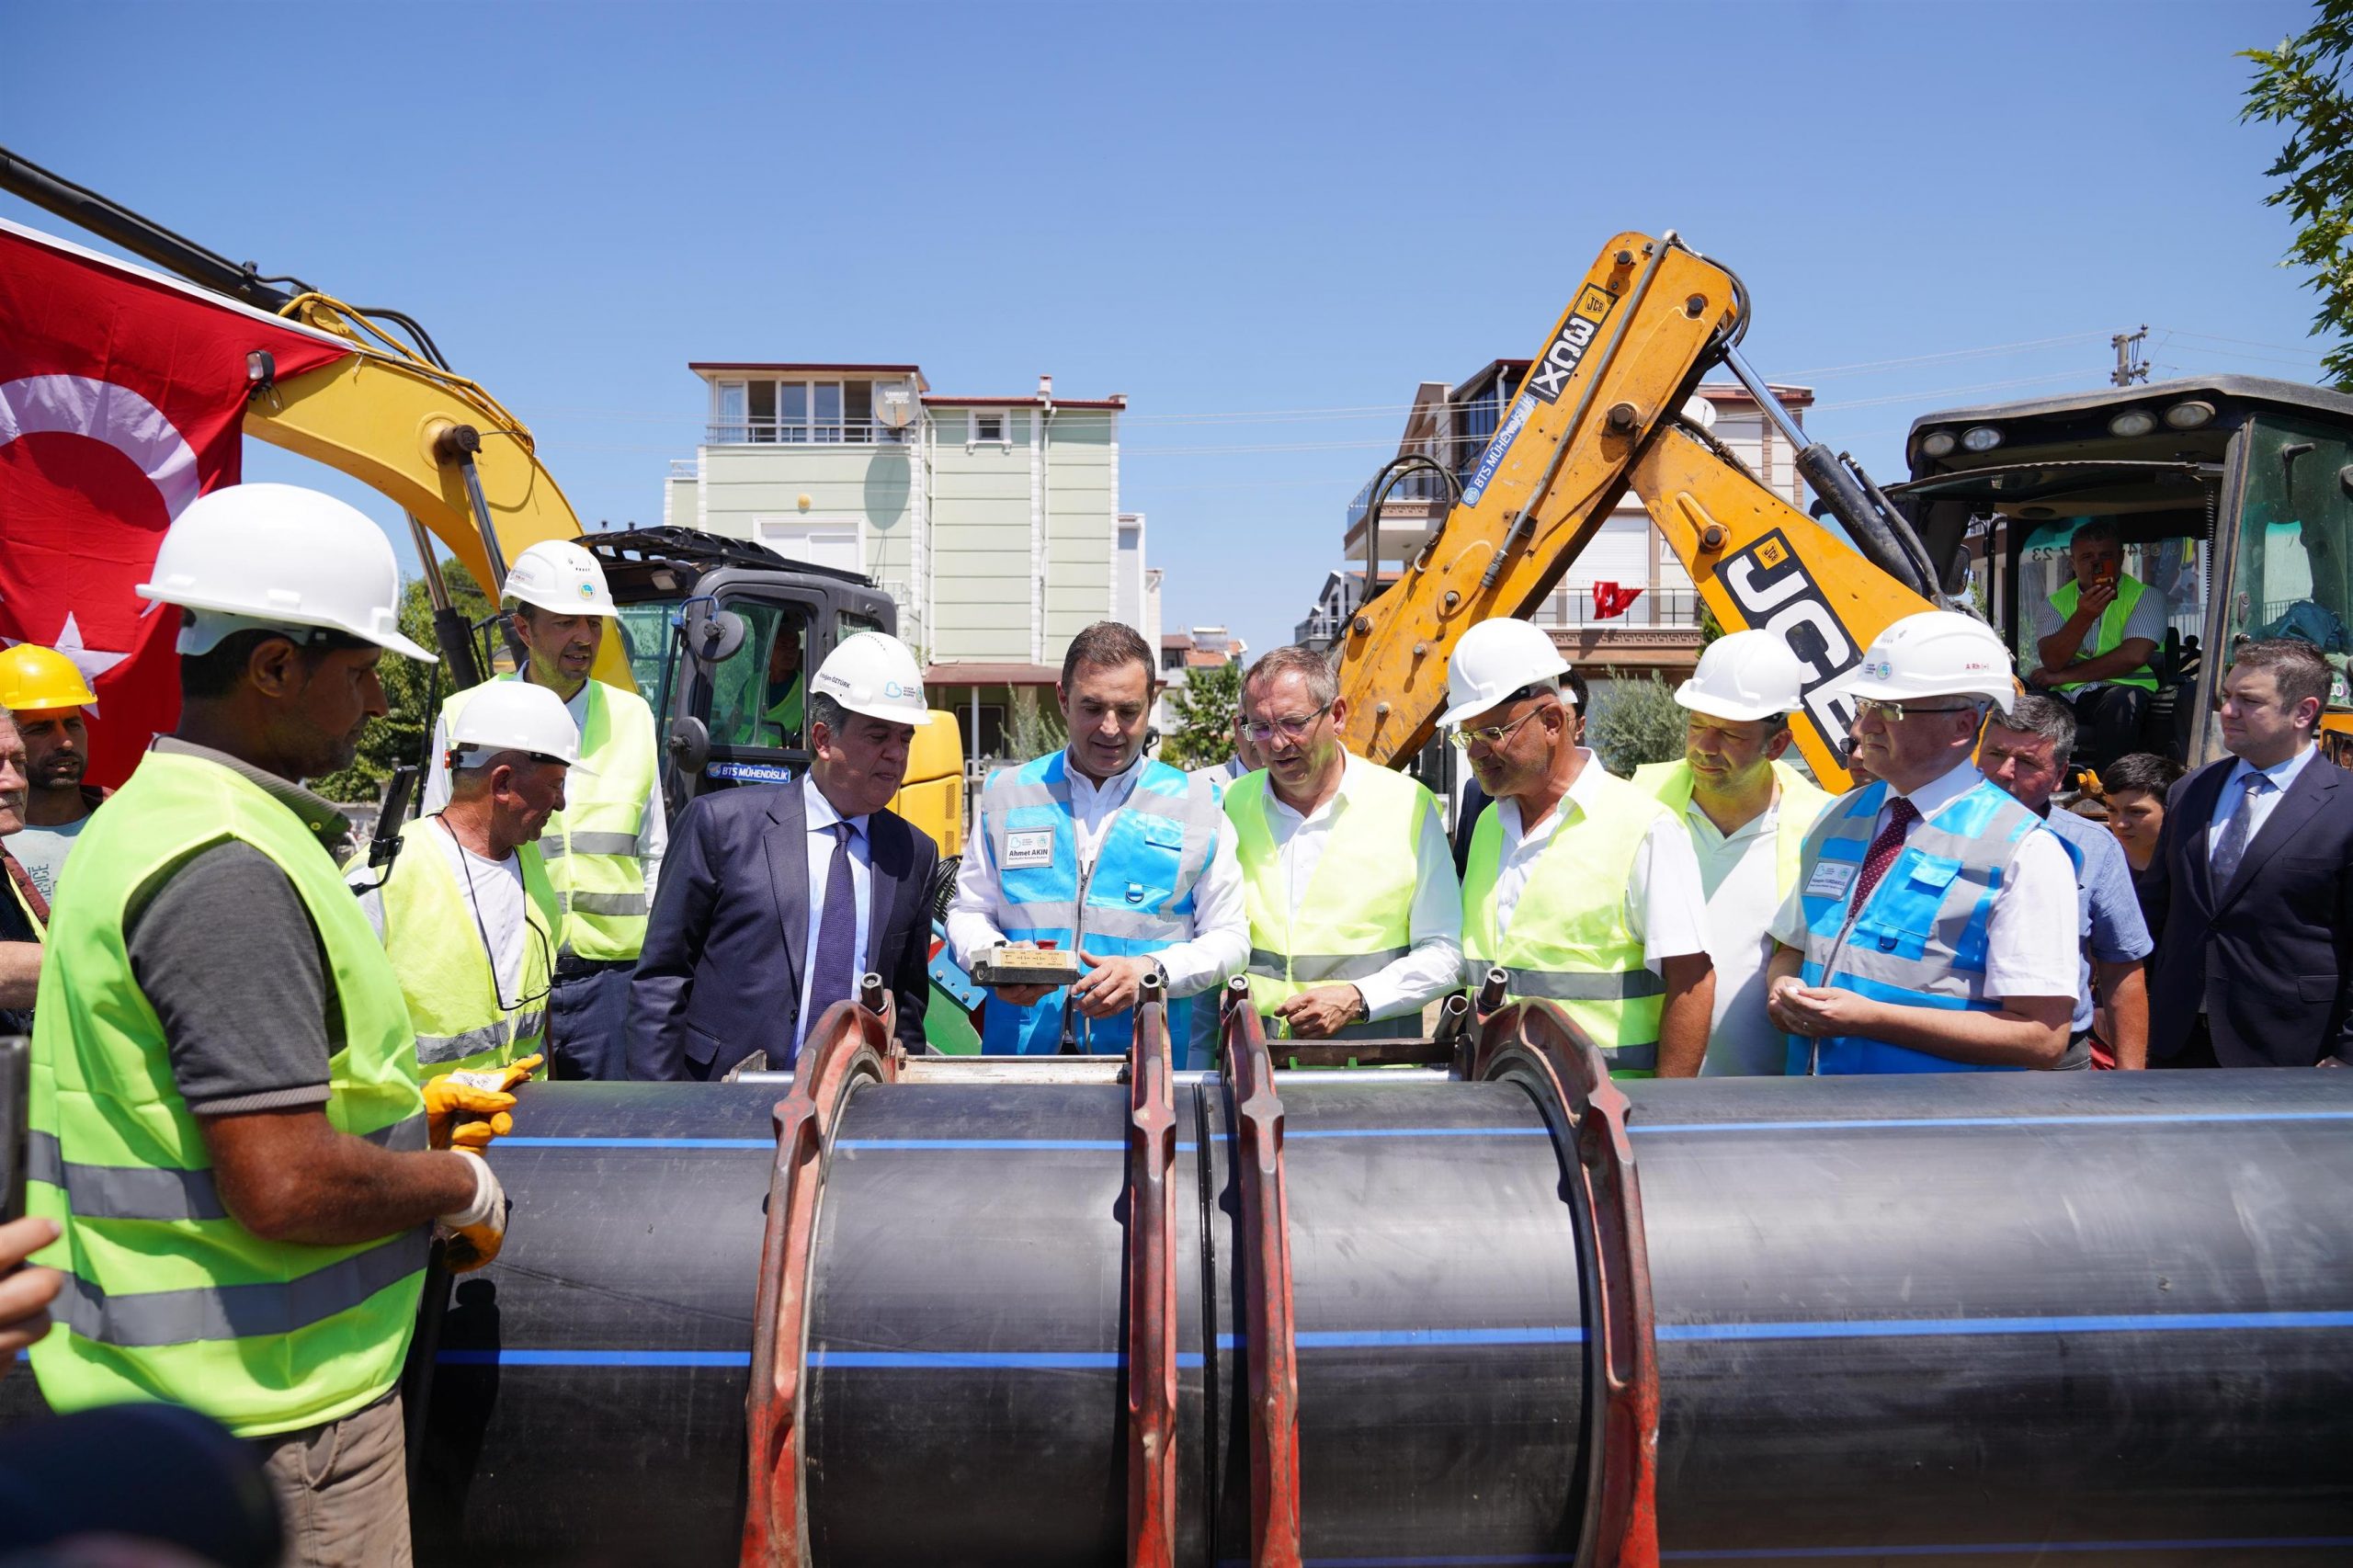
[1920, 938]
[1136, 898]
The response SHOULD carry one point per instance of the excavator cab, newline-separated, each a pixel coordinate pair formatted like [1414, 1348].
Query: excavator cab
[2230, 496]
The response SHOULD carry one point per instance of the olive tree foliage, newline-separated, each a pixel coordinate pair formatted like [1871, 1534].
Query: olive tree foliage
[1200, 715]
[1635, 721]
[2300, 86]
[409, 688]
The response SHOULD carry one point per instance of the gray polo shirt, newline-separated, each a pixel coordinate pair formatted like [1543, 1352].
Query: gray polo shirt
[230, 961]
[2147, 619]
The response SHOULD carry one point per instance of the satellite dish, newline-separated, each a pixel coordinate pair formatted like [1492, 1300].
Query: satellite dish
[894, 405]
[1699, 411]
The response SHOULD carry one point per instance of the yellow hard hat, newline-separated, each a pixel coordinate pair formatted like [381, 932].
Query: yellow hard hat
[33, 679]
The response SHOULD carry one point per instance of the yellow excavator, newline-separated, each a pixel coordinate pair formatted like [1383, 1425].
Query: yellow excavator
[2231, 494]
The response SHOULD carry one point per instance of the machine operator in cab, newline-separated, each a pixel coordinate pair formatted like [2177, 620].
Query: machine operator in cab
[604, 848]
[2091, 643]
[1100, 849]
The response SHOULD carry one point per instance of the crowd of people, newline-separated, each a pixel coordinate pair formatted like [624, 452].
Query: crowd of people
[260, 1103]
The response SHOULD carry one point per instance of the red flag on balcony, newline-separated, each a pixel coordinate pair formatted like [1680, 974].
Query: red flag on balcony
[1610, 601]
[122, 398]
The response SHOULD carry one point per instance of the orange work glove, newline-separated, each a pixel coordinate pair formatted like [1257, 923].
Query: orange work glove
[467, 1109]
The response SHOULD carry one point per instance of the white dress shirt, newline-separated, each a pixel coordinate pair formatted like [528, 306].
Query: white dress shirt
[1220, 944]
[654, 826]
[1740, 873]
[1664, 906]
[1434, 967]
[821, 840]
[2030, 939]
[2281, 774]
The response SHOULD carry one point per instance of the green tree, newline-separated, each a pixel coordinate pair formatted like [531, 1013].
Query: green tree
[409, 688]
[1635, 721]
[1202, 712]
[2300, 84]
[1033, 726]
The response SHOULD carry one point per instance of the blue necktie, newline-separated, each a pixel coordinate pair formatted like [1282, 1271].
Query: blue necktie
[2235, 833]
[835, 978]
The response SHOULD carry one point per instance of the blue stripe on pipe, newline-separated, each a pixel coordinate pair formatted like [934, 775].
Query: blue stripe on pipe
[513, 1143]
[1014, 1360]
[1902, 1328]
[1405, 1338]
[2006, 1549]
[1420, 1133]
[2134, 1119]
[1501, 1561]
[991, 1144]
[594, 1359]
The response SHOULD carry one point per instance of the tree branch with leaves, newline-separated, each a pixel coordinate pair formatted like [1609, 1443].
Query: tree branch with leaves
[2301, 84]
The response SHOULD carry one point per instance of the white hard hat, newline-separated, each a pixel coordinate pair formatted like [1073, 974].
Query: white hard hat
[557, 575]
[1743, 675]
[1494, 659]
[513, 715]
[873, 674]
[1937, 653]
[277, 557]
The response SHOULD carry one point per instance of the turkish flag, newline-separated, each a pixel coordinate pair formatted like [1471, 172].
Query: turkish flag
[123, 399]
[1610, 601]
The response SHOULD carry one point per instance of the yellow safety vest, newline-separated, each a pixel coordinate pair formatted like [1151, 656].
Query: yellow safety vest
[434, 939]
[2108, 634]
[590, 847]
[166, 1297]
[1356, 918]
[1569, 942]
[1800, 807]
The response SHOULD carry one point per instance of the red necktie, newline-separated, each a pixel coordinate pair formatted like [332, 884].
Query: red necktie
[1901, 816]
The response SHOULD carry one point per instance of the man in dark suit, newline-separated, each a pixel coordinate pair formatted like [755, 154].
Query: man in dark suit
[774, 900]
[2251, 889]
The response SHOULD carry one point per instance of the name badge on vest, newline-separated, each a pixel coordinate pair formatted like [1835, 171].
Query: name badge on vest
[1831, 879]
[1025, 850]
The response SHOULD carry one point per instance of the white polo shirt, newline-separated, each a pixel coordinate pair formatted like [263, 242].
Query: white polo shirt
[1740, 873]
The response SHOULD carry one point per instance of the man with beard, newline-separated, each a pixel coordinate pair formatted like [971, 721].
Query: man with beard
[224, 1123]
[45, 693]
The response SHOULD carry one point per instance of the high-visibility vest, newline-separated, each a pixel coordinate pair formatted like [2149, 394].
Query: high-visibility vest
[166, 1297]
[1800, 806]
[1920, 940]
[590, 847]
[1356, 918]
[435, 938]
[1136, 900]
[784, 714]
[1568, 941]
[2109, 632]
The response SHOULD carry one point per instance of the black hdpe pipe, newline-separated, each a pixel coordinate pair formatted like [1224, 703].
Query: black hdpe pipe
[1969, 1319]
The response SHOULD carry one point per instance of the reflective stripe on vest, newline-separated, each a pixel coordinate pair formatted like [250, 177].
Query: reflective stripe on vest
[590, 847]
[434, 936]
[1136, 899]
[1568, 932]
[167, 1297]
[1356, 915]
[1800, 806]
[2108, 635]
[1920, 940]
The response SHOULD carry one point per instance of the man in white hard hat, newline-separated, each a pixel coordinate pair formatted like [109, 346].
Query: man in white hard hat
[779, 898]
[1933, 929]
[604, 849]
[1099, 849]
[466, 910]
[1579, 885]
[1748, 812]
[225, 1121]
[1356, 916]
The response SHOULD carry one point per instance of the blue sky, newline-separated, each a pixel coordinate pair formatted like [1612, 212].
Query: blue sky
[1238, 216]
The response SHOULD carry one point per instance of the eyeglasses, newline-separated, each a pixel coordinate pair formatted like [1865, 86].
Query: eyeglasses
[1493, 735]
[1289, 729]
[1894, 712]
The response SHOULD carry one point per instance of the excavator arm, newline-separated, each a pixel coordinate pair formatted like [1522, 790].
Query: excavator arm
[1599, 411]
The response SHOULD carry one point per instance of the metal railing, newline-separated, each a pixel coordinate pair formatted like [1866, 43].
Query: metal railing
[1669, 608]
[685, 468]
[802, 433]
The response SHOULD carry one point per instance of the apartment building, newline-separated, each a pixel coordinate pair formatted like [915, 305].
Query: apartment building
[1626, 603]
[994, 522]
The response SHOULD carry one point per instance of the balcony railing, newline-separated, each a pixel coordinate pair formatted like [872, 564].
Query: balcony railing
[1656, 607]
[802, 433]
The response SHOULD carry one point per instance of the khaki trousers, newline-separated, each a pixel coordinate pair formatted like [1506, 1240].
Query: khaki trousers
[343, 1488]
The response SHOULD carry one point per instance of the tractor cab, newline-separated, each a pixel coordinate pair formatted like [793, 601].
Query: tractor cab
[722, 635]
[2229, 496]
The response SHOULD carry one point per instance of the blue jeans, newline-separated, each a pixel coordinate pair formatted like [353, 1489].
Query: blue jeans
[587, 1012]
